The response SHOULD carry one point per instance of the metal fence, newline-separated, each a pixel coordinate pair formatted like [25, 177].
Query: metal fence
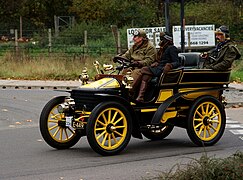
[48, 44]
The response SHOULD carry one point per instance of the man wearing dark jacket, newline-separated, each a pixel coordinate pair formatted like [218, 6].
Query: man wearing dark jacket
[222, 57]
[167, 59]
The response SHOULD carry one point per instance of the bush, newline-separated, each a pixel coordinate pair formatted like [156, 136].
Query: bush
[208, 168]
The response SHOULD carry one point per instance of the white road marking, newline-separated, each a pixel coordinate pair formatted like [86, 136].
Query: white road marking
[234, 126]
[231, 122]
[237, 132]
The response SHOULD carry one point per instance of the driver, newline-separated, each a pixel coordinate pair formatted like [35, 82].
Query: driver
[222, 57]
[142, 53]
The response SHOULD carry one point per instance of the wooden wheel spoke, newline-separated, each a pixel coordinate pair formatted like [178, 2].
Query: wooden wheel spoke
[211, 111]
[200, 120]
[100, 129]
[109, 117]
[56, 116]
[109, 140]
[52, 121]
[119, 127]
[66, 134]
[214, 121]
[118, 133]
[200, 115]
[101, 123]
[98, 137]
[213, 116]
[207, 108]
[204, 132]
[53, 127]
[54, 135]
[200, 130]
[209, 132]
[61, 133]
[200, 124]
[114, 117]
[213, 128]
[114, 138]
[104, 117]
[202, 109]
[118, 120]
[104, 140]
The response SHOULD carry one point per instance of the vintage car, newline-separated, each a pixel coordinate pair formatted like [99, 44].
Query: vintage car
[189, 97]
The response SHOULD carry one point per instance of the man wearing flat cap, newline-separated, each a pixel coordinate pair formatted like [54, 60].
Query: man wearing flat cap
[222, 57]
[142, 53]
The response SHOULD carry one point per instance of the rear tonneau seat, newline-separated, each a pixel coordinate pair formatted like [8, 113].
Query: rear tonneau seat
[191, 60]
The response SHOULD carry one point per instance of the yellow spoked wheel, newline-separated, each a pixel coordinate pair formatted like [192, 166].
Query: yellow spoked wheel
[206, 122]
[109, 128]
[53, 126]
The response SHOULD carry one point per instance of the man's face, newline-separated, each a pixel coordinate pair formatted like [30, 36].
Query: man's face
[137, 39]
[220, 37]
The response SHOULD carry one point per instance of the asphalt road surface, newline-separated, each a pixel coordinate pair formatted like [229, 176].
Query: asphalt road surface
[25, 156]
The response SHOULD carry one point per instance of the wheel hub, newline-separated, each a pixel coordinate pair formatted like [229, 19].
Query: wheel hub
[110, 128]
[206, 121]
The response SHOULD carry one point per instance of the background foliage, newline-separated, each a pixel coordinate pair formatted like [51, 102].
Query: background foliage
[95, 17]
[39, 14]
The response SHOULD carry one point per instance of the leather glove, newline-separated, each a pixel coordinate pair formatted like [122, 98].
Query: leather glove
[167, 68]
[115, 59]
[137, 64]
[204, 55]
[154, 64]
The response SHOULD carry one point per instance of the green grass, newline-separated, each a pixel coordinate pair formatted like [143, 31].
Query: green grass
[55, 67]
[206, 168]
[67, 63]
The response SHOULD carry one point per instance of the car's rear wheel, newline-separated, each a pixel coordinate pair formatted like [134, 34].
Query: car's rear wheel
[109, 128]
[206, 121]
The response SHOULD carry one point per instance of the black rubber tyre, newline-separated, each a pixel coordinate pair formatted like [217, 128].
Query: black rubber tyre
[56, 135]
[109, 128]
[158, 134]
[206, 121]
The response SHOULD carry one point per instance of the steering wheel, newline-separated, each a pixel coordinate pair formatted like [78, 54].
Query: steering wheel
[124, 62]
[121, 60]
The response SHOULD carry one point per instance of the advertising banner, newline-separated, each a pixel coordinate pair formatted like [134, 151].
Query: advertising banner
[197, 35]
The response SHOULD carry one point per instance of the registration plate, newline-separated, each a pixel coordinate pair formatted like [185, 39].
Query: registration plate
[78, 125]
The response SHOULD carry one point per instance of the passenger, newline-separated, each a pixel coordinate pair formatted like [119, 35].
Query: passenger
[222, 57]
[142, 53]
[167, 59]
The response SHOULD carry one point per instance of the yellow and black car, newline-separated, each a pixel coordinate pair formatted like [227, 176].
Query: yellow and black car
[189, 97]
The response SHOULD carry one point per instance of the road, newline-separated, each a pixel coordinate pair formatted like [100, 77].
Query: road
[24, 154]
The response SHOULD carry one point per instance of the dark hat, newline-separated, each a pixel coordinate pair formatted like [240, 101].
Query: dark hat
[140, 33]
[166, 36]
[222, 30]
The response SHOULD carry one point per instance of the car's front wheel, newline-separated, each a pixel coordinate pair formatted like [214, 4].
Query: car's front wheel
[109, 128]
[53, 128]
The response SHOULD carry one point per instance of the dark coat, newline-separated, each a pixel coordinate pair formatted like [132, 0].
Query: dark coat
[224, 59]
[170, 55]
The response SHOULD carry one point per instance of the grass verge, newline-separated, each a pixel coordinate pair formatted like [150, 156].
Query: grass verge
[61, 66]
[206, 168]
[56, 67]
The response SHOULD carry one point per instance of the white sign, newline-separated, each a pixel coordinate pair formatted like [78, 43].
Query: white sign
[150, 31]
[200, 35]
